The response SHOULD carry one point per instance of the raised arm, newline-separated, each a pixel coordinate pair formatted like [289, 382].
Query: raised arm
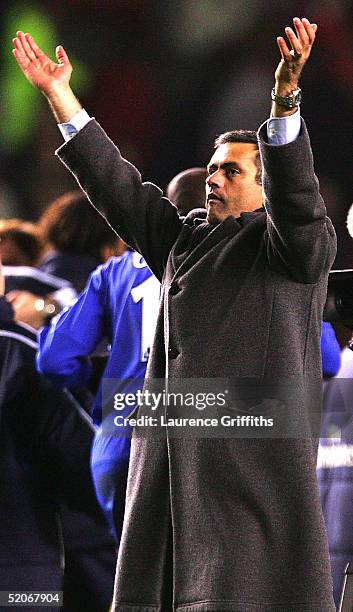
[301, 237]
[292, 62]
[137, 211]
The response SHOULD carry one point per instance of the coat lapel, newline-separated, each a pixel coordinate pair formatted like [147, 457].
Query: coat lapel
[183, 260]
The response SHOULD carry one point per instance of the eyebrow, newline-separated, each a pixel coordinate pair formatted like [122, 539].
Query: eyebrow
[224, 166]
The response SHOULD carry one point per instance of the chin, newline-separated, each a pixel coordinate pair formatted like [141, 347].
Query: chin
[212, 217]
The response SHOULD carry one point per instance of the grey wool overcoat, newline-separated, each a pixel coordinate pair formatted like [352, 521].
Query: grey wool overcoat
[221, 523]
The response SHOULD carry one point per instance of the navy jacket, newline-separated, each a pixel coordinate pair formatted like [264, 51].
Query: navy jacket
[44, 454]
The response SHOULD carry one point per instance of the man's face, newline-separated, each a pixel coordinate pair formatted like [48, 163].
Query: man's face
[231, 186]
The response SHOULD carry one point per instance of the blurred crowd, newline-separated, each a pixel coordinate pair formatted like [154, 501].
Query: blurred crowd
[164, 78]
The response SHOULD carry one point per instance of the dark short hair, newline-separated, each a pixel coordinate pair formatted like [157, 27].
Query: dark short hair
[242, 136]
[24, 237]
[71, 224]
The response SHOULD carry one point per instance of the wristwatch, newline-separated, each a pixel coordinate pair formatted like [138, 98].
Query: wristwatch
[288, 101]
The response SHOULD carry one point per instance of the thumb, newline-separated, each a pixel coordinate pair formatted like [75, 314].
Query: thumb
[62, 55]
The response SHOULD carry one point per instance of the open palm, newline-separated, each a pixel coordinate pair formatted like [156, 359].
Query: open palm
[39, 69]
[293, 60]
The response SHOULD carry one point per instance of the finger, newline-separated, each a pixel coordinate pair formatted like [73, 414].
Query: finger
[296, 46]
[310, 28]
[62, 55]
[301, 32]
[26, 48]
[37, 51]
[285, 53]
[18, 45]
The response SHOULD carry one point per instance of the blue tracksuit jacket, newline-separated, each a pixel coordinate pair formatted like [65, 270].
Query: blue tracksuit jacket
[120, 303]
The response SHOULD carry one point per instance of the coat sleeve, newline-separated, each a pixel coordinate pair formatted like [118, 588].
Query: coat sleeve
[137, 211]
[65, 345]
[300, 237]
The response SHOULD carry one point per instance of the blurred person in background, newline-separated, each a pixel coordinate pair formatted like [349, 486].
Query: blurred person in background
[45, 448]
[75, 240]
[21, 249]
[120, 304]
[247, 270]
[335, 460]
[187, 190]
[89, 549]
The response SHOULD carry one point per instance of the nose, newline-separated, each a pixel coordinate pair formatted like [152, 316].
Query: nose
[215, 179]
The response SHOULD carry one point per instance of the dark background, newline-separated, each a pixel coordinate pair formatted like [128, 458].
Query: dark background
[163, 78]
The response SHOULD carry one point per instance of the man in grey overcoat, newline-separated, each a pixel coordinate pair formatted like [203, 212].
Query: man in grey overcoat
[221, 522]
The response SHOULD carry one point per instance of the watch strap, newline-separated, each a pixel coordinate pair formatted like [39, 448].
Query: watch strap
[287, 101]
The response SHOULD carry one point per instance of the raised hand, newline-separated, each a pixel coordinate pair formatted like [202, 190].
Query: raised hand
[51, 78]
[39, 69]
[294, 59]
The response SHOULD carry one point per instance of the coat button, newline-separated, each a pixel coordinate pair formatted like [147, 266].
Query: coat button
[172, 352]
[174, 289]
